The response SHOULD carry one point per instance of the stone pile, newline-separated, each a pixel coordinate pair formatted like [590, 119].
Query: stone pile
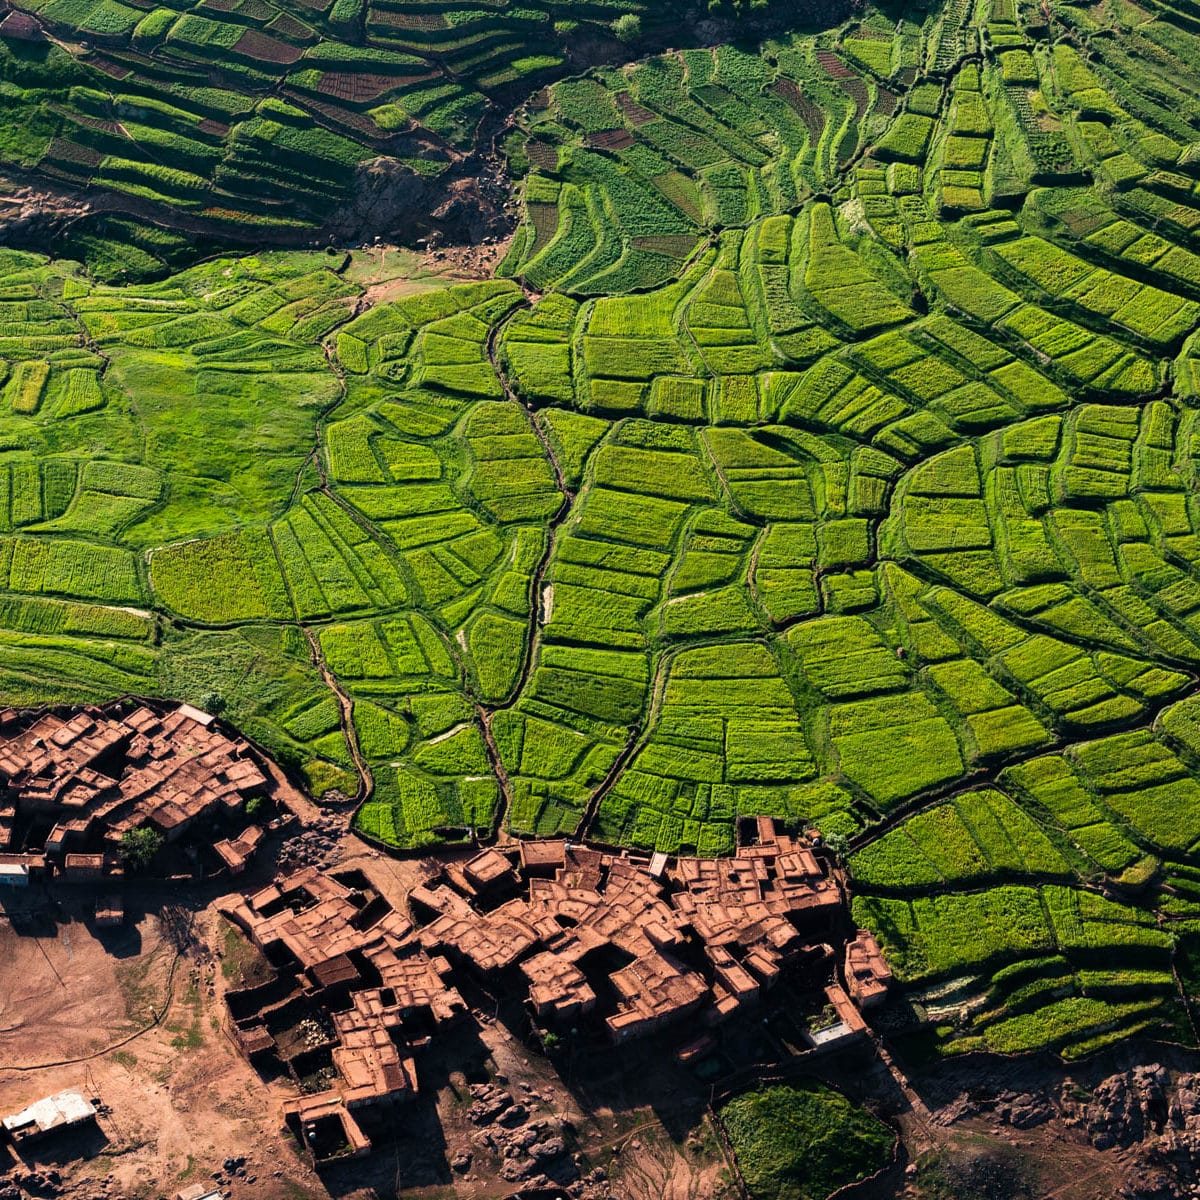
[534, 1149]
[316, 843]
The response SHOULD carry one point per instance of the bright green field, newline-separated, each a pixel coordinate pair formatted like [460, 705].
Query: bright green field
[843, 468]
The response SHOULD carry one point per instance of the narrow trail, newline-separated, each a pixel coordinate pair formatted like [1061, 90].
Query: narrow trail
[588, 818]
[537, 606]
[313, 457]
[756, 599]
[920, 1133]
[638, 735]
[500, 830]
[366, 781]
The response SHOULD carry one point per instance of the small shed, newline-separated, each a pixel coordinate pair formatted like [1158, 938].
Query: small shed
[20, 870]
[490, 871]
[543, 857]
[83, 868]
[198, 1191]
[62, 1111]
[195, 714]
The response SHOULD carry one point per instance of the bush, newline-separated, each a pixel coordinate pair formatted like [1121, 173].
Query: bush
[627, 27]
[803, 1142]
[139, 846]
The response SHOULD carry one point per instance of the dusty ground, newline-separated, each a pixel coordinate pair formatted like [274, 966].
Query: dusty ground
[1050, 1163]
[983, 1156]
[393, 272]
[135, 1017]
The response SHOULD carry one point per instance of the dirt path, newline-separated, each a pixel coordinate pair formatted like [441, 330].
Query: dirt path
[918, 1132]
[366, 781]
[537, 613]
[638, 735]
[500, 829]
[537, 603]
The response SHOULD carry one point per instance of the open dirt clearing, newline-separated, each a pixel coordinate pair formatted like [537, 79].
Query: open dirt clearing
[139, 1014]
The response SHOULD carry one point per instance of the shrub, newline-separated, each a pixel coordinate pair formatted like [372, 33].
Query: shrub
[628, 27]
[139, 846]
[803, 1142]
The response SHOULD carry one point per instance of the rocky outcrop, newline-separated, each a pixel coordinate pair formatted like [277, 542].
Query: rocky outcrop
[1125, 1108]
[466, 204]
[1146, 1112]
[1021, 1110]
[533, 1149]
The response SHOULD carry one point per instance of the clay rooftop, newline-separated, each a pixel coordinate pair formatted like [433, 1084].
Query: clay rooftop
[100, 772]
[746, 915]
[348, 950]
[574, 932]
[867, 974]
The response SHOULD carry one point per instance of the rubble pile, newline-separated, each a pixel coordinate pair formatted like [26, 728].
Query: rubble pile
[1123, 1109]
[316, 843]
[534, 1148]
[22, 1182]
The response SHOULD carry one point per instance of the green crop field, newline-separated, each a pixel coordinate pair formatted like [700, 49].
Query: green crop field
[826, 445]
[246, 122]
[803, 1143]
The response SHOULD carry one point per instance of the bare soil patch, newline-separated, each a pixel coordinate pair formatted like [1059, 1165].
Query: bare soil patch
[392, 272]
[138, 1008]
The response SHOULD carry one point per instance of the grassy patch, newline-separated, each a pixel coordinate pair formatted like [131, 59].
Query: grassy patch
[802, 1143]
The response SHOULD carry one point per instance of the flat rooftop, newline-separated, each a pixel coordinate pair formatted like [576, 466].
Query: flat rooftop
[52, 1113]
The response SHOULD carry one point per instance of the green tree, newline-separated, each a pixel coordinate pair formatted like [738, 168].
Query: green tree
[839, 845]
[139, 846]
[628, 27]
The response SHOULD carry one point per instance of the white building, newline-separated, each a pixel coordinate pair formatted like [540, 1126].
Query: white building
[63, 1110]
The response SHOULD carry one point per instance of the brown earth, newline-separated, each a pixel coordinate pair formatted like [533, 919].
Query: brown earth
[1120, 1126]
[136, 1017]
[133, 1019]
[389, 272]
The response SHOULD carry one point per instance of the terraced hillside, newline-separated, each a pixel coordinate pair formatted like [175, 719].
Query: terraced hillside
[251, 121]
[827, 449]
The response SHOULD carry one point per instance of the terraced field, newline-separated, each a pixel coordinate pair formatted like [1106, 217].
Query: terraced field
[256, 122]
[826, 448]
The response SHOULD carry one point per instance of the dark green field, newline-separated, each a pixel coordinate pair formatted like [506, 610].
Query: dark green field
[803, 1143]
[826, 447]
